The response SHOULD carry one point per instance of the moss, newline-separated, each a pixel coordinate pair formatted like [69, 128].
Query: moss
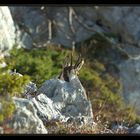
[10, 85]
[40, 64]
[8, 107]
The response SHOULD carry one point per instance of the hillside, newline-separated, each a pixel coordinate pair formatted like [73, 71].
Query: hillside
[98, 96]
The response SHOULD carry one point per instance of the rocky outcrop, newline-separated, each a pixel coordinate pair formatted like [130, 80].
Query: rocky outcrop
[56, 100]
[130, 77]
[62, 101]
[7, 29]
[62, 25]
[68, 98]
[53, 24]
[121, 20]
[25, 119]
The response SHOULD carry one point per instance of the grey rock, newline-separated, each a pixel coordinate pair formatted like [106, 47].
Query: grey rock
[69, 98]
[1, 130]
[46, 109]
[135, 129]
[29, 89]
[7, 29]
[130, 78]
[25, 119]
[15, 73]
[55, 100]
[27, 31]
[119, 128]
[94, 19]
[122, 20]
[36, 30]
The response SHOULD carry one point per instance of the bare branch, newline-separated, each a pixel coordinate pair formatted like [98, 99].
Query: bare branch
[49, 29]
[71, 19]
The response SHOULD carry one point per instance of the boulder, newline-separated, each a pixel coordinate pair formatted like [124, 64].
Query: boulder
[46, 109]
[68, 99]
[55, 101]
[135, 129]
[7, 29]
[58, 100]
[1, 130]
[25, 119]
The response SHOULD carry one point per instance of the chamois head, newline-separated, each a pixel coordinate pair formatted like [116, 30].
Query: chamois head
[70, 68]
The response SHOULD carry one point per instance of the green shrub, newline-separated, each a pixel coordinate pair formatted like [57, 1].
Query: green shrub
[10, 85]
[7, 108]
[39, 64]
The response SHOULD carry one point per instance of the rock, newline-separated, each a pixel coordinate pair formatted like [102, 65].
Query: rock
[135, 129]
[124, 19]
[68, 98]
[81, 23]
[15, 73]
[1, 130]
[56, 100]
[29, 89]
[36, 31]
[120, 128]
[130, 78]
[7, 29]
[25, 120]
[46, 109]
